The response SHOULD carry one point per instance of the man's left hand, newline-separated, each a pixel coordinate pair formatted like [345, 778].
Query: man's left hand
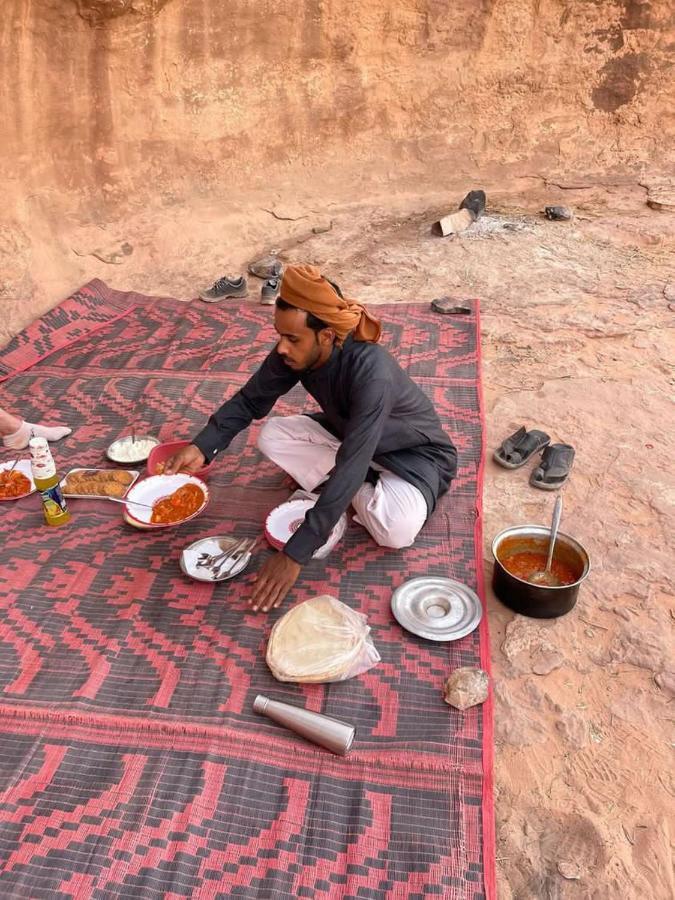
[273, 582]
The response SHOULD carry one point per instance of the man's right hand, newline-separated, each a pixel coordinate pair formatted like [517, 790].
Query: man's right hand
[190, 459]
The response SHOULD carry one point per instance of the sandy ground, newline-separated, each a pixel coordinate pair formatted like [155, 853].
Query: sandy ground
[576, 340]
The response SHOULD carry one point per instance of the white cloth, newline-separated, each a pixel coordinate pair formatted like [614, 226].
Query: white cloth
[392, 511]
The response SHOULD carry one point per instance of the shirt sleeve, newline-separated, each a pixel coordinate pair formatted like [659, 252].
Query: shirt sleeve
[369, 409]
[254, 401]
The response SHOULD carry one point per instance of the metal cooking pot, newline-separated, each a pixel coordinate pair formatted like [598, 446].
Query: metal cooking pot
[537, 600]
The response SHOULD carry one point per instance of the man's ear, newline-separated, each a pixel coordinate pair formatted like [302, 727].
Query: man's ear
[327, 336]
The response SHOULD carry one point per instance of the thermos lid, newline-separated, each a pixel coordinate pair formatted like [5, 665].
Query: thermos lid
[260, 703]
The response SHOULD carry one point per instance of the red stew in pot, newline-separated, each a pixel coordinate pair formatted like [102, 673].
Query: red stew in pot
[524, 565]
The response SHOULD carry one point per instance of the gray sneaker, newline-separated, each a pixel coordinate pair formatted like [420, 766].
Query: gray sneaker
[225, 287]
[270, 291]
[266, 267]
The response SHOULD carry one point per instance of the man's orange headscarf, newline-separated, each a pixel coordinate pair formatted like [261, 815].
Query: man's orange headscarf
[305, 288]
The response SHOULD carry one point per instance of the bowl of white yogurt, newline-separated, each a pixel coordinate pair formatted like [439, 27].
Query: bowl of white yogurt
[132, 449]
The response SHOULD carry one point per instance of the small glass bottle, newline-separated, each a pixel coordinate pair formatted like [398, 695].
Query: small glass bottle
[47, 482]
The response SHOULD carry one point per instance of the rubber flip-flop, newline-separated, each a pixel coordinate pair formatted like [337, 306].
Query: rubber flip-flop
[554, 468]
[446, 306]
[515, 451]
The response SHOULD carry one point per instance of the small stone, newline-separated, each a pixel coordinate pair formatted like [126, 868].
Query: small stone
[661, 198]
[266, 267]
[669, 291]
[569, 870]
[466, 687]
[114, 254]
[558, 213]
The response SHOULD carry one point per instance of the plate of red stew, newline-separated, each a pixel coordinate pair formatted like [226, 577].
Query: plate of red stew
[17, 482]
[168, 500]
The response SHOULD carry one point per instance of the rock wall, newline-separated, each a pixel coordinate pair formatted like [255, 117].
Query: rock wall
[108, 105]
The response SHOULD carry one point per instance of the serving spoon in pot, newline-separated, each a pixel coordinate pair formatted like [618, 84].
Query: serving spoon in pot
[546, 576]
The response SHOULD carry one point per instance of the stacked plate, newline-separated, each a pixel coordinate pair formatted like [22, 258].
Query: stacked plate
[282, 523]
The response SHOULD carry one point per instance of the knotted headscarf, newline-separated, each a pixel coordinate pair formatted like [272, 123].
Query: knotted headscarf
[305, 288]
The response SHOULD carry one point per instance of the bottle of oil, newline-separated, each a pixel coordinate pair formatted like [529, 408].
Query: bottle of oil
[47, 482]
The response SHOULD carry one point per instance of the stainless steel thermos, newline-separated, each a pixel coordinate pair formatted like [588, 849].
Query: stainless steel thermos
[333, 734]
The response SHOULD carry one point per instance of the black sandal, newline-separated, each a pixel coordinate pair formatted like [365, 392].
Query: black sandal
[515, 451]
[554, 468]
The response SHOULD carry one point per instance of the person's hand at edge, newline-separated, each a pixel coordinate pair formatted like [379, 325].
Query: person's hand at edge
[273, 582]
[190, 459]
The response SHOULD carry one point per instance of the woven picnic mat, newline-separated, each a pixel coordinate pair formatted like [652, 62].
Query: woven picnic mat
[132, 764]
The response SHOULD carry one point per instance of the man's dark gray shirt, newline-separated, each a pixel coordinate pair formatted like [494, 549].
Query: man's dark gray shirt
[371, 405]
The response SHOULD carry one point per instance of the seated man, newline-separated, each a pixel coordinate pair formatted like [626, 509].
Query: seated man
[377, 444]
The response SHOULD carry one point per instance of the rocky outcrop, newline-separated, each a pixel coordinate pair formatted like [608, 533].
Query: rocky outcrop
[98, 11]
[111, 105]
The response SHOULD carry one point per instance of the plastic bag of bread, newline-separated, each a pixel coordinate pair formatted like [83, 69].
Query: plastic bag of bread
[321, 640]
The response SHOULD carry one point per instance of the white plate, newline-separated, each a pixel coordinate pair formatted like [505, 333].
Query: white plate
[24, 467]
[282, 523]
[113, 451]
[155, 488]
[212, 545]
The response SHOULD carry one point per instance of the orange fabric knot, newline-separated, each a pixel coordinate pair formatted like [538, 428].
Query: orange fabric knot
[305, 288]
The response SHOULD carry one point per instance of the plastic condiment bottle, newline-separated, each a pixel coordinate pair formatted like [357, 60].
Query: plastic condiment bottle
[47, 482]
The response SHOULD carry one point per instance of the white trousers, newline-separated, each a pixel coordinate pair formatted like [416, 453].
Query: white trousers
[393, 511]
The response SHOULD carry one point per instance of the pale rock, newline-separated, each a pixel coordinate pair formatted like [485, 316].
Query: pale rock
[569, 870]
[466, 687]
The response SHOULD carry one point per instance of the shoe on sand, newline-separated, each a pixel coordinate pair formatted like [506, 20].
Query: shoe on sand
[554, 468]
[270, 291]
[225, 287]
[475, 201]
[515, 450]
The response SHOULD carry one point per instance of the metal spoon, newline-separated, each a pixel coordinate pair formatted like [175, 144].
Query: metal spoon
[13, 466]
[547, 577]
[128, 502]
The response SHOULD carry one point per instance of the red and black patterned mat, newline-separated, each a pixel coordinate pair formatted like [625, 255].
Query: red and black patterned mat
[131, 763]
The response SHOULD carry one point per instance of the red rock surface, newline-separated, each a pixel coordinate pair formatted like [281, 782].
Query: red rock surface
[115, 108]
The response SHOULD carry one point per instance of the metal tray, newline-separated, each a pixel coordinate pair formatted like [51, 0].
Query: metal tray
[438, 609]
[134, 472]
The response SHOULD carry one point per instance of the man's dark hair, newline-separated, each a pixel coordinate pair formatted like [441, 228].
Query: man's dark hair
[313, 322]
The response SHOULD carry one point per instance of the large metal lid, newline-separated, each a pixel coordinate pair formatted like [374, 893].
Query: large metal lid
[438, 609]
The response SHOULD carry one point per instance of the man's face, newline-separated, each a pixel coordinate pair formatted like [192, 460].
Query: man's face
[300, 347]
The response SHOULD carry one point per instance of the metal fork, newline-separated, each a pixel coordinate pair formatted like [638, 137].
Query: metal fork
[234, 559]
[207, 560]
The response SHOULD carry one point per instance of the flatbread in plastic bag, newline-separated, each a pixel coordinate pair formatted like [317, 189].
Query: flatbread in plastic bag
[321, 640]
